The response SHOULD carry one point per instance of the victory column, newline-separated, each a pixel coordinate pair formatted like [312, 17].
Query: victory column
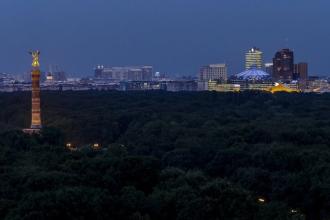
[36, 111]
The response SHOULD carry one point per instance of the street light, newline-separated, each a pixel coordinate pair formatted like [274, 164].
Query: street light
[261, 200]
[96, 146]
[71, 147]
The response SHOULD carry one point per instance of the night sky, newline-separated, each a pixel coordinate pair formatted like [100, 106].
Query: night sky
[175, 36]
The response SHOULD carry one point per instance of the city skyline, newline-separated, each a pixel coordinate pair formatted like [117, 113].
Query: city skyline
[164, 110]
[174, 37]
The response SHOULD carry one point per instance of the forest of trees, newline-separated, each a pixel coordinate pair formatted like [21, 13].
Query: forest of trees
[185, 156]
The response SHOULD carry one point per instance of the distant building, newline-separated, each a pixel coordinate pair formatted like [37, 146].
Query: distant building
[254, 58]
[283, 67]
[56, 76]
[100, 72]
[238, 86]
[223, 87]
[213, 72]
[6, 79]
[27, 77]
[141, 86]
[301, 74]
[159, 76]
[317, 84]
[131, 73]
[202, 85]
[269, 68]
[181, 85]
[252, 79]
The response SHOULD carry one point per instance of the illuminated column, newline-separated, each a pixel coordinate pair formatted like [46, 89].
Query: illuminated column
[36, 112]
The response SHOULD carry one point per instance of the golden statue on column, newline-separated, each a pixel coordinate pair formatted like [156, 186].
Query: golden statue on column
[35, 58]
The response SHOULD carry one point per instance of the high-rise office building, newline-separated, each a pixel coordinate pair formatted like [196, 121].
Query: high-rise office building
[55, 73]
[254, 58]
[269, 68]
[56, 76]
[301, 74]
[301, 71]
[213, 72]
[283, 65]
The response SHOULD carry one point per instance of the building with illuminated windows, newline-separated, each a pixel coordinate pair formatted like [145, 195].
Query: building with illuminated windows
[283, 66]
[130, 73]
[269, 68]
[213, 72]
[223, 87]
[301, 74]
[254, 58]
[252, 79]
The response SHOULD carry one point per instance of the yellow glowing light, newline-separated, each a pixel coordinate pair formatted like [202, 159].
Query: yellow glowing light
[49, 77]
[71, 147]
[281, 88]
[96, 146]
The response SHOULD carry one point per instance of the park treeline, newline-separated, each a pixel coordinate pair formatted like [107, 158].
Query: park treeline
[185, 156]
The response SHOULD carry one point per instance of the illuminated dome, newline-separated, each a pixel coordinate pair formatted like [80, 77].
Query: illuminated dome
[253, 74]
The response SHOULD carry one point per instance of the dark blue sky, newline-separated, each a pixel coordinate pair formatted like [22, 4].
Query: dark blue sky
[175, 36]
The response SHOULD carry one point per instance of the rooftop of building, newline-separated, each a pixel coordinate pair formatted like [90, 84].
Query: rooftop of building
[253, 74]
[254, 50]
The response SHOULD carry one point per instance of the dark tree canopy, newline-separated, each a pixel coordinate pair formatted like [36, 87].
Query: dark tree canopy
[196, 156]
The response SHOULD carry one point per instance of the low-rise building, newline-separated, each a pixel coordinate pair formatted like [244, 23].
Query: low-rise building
[130, 73]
